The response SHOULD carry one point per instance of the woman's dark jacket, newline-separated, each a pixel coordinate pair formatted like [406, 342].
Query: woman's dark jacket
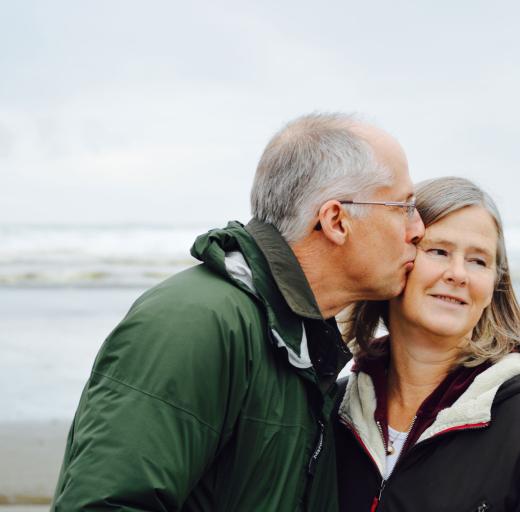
[467, 460]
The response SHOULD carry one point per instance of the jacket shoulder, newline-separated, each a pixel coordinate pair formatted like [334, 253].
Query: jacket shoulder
[198, 285]
[195, 296]
[509, 389]
[194, 322]
[506, 405]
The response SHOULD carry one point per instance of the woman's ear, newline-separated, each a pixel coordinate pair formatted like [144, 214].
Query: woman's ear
[334, 222]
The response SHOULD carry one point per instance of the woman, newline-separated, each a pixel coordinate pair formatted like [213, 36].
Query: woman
[430, 417]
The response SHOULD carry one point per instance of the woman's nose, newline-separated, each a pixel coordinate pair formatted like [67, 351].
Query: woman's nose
[456, 271]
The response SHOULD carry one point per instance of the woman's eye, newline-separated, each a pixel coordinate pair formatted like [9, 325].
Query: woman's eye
[479, 261]
[437, 252]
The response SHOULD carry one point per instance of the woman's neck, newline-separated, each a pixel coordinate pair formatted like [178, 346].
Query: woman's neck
[418, 364]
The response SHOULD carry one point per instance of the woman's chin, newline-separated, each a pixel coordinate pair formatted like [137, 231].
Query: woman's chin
[447, 330]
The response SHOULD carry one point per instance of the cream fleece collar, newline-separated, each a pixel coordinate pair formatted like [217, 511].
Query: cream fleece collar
[472, 408]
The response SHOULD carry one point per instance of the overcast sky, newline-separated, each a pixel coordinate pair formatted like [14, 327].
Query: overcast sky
[157, 111]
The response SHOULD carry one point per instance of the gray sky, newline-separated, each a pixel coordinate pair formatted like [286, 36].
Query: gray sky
[157, 111]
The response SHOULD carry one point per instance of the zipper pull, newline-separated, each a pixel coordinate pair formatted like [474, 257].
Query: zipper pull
[483, 507]
[317, 449]
[377, 499]
[383, 483]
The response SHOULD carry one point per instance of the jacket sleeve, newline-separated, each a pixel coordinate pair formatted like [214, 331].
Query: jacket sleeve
[161, 401]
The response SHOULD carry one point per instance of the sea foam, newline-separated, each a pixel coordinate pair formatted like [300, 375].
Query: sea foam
[116, 256]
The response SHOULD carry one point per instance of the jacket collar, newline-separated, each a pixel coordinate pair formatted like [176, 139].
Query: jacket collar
[285, 269]
[235, 254]
[473, 407]
[443, 397]
[467, 396]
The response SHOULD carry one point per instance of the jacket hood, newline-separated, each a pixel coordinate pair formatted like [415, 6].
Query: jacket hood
[233, 253]
[211, 248]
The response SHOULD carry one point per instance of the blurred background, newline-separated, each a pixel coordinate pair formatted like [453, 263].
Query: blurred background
[128, 127]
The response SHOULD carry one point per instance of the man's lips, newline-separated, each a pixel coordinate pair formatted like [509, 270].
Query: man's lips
[408, 266]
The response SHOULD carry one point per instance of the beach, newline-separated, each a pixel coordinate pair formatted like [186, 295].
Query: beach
[49, 339]
[24, 508]
[31, 454]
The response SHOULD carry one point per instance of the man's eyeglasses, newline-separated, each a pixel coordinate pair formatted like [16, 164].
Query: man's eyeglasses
[409, 206]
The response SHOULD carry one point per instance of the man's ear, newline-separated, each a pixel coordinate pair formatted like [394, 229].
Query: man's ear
[334, 222]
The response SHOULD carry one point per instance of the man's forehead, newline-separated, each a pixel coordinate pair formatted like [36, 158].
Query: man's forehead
[399, 188]
[389, 152]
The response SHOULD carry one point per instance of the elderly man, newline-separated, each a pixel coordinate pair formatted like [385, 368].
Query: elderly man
[214, 392]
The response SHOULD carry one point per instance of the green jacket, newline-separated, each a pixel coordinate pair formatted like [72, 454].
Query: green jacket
[204, 397]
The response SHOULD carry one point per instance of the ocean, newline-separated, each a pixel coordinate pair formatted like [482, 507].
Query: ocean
[93, 256]
[64, 288]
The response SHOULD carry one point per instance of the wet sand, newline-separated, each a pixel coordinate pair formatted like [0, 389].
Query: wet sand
[24, 508]
[48, 342]
[31, 455]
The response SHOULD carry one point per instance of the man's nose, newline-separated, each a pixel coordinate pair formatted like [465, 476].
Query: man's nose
[415, 229]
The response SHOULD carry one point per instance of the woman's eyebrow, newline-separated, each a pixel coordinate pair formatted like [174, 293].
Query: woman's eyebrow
[481, 250]
[446, 243]
[437, 241]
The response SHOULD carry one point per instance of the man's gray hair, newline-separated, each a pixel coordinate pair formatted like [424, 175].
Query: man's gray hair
[314, 158]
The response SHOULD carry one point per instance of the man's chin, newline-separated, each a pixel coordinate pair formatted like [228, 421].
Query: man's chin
[396, 290]
[391, 288]
[404, 280]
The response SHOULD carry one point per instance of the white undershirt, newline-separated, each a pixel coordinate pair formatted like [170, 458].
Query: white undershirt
[397, 440]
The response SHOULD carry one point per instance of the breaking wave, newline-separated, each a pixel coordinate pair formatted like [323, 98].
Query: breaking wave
[113, 256]
[93, 255]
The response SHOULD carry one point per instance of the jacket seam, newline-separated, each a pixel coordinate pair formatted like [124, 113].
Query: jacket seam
[274, 423]
[155, 397]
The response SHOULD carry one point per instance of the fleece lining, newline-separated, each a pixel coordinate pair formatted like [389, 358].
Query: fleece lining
[473, 407]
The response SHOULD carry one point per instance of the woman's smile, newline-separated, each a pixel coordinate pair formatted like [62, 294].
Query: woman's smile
[450, 300]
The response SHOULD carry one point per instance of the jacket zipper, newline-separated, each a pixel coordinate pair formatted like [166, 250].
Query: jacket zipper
[311, 468]
[317, 449]
[377, 499]
[380, 428]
